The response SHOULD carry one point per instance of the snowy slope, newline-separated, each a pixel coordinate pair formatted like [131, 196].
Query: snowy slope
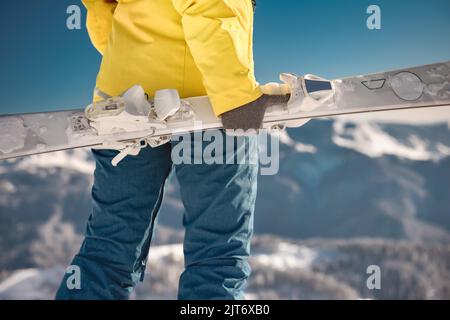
[287, 269]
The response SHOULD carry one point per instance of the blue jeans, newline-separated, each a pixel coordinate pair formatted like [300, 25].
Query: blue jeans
[219, 201]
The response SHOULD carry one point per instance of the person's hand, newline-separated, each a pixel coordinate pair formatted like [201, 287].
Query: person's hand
[249, 118]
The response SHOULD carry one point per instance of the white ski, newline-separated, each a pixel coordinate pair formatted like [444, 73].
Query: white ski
[129, 122]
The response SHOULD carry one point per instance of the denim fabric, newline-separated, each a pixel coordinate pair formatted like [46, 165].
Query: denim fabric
[219, 201]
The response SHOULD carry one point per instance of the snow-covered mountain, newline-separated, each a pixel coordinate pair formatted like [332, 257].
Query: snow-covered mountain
[349, 179]
[287, 269]
[373, 192]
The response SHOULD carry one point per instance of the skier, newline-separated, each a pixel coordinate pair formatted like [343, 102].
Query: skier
[201, 47]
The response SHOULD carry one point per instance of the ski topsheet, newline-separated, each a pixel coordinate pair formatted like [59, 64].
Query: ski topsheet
[417, 87]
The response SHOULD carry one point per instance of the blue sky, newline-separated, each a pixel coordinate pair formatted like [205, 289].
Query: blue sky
[44, 66]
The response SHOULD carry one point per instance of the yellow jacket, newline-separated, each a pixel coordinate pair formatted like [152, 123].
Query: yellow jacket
[199, 47]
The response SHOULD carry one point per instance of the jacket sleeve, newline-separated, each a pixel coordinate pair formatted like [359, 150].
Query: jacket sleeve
[219, 34]
[99, 21]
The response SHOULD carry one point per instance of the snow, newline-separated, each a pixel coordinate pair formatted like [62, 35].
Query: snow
[296, 145]
[282, 257]
[287, 256]
[76, 160]
[370, 139]
[158, 253]
[439, 90]
[443, 149]
[12, 134]
[7, 187]
[31, 284]
[42, 283]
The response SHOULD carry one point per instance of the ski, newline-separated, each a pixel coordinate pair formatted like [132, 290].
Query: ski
[122, 123]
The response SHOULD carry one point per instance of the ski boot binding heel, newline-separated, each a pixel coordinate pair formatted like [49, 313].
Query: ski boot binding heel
[169, 107]
[133, 112]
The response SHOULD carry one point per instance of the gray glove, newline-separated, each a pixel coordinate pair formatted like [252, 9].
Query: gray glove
[251, 115]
